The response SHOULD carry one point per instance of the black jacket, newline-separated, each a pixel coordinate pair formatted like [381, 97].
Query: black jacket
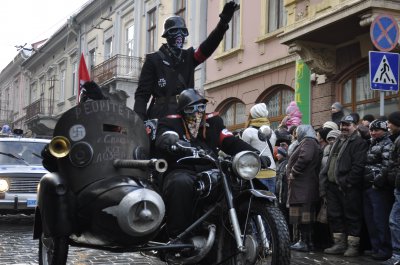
[164, 77]
[350, 162]
[212, 137]
[394, 162]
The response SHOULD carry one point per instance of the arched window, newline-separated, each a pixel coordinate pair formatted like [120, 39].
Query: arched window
[357, 96]
[277, 101]
[234, 115]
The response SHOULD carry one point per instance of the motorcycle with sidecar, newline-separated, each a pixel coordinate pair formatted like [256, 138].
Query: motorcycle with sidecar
[105, 195]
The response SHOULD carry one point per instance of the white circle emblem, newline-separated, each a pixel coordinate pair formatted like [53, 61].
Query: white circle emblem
[77, 132]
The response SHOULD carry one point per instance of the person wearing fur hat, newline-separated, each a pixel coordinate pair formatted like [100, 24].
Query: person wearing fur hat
[378, 195]
[257, 118]
[293, 115]
[337, 112]
[394, 179]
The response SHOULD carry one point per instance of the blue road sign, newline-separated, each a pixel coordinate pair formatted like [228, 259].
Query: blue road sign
[384, 71]
[384, 33]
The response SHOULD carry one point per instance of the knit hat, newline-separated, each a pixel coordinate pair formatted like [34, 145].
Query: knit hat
[259, 111]
[333, 133]
[337, 106]
[356, 117]
[330, 124]
[394, 118]
[368, 117]
[323, 132]
[282, 151]
[378, 124]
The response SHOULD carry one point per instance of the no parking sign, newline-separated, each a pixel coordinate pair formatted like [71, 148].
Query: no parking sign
[384, 33]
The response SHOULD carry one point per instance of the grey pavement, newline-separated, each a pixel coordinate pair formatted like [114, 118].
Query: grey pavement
[18, 247]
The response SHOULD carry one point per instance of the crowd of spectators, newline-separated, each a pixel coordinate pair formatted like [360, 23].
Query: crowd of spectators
[337, 181]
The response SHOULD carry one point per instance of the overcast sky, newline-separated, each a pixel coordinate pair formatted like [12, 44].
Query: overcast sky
[29, 21]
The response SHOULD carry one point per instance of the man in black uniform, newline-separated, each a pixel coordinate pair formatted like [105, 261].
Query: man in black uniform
[193, 127]
[170, 70]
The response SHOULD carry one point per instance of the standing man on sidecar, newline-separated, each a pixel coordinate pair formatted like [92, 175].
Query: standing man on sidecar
[191, 126]
[170, 70]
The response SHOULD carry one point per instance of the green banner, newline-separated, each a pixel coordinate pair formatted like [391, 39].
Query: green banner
[302, 93]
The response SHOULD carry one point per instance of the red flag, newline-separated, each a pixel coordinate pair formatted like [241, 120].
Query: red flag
[83, 74]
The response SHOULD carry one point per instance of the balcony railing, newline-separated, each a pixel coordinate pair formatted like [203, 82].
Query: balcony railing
[118, 66]
[40, 106]
[34, 109]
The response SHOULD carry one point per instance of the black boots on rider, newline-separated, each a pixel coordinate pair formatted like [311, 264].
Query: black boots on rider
[305, 243]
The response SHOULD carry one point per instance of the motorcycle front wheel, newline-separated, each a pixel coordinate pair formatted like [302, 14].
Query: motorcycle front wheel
[53, 250]
[266, 236]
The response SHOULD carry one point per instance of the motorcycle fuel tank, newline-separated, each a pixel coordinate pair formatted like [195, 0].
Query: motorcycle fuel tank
[100, 132]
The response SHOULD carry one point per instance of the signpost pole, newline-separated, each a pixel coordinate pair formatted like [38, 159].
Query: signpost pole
[382, 104]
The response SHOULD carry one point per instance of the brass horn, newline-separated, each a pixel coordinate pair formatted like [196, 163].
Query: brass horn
[59, 146]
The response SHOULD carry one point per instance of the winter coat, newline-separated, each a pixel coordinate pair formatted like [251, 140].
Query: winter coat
[323, 181]
[337, 117]
[281, 181]
[376, 169]
[303, 168]
[293, 115]
[350, 162]
[163, 77]
[250, 136]
[394, 162]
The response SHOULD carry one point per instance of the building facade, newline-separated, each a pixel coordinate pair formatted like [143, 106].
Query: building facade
[113, 36]
[256, 62]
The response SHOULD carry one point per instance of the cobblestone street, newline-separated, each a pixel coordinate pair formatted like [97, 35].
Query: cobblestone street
[17, 247]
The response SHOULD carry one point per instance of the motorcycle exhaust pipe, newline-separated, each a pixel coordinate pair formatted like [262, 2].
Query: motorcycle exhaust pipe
[59, 146]
[202, 247]
[160, 165]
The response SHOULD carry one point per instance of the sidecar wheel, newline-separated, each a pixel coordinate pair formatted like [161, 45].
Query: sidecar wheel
[53, 250]
[276, 249]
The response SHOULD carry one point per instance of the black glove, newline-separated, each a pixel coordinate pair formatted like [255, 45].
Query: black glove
[380, 182]
[227, 12]
[90, 90]
[265, 162]
[169, 142]
[368, 178]
[179, 148]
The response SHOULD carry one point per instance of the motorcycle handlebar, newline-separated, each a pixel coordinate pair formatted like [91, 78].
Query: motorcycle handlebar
[158, 164]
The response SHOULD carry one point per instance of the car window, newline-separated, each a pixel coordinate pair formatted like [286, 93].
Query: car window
[12, 152]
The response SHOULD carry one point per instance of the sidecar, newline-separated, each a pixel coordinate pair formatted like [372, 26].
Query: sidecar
[90, 200]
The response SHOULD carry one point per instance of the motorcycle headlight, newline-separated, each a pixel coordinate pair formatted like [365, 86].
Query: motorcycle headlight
[4, 185]
[246, 164]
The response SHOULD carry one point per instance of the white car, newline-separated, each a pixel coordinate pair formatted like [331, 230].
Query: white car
[20, 172]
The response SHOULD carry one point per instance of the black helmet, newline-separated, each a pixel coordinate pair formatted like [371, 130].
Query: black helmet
[188, 97]
[174, 22]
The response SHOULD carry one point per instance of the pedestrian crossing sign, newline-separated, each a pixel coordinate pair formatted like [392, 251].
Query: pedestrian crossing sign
[384, 71]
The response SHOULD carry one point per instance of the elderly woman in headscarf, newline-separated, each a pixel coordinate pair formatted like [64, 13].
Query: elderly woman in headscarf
[257, 118]
[303, 196]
